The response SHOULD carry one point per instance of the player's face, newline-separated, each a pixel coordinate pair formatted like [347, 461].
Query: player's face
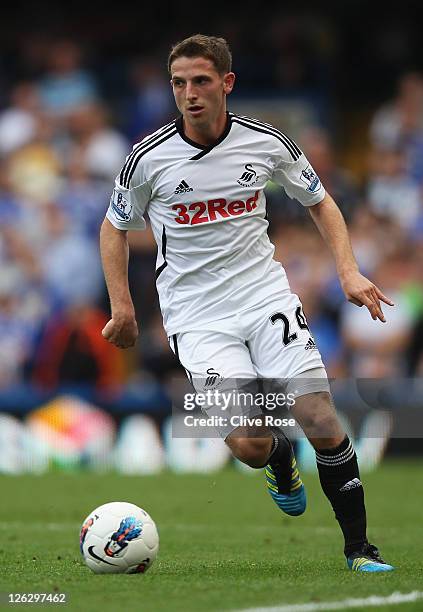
[200, 91]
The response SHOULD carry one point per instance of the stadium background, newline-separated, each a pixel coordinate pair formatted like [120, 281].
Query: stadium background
[78, 87]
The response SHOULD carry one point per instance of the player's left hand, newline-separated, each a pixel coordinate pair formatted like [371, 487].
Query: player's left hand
[360, 291]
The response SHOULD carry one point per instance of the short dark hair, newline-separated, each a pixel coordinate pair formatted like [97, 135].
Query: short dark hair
[199, 45]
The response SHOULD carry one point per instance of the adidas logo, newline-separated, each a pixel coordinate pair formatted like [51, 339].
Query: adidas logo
[351, 484]
[310, 344]
[183, 187]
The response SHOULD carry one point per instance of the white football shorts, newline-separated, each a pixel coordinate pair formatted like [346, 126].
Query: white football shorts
[271, 343]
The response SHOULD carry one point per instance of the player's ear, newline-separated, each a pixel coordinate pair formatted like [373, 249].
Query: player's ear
[228, 82]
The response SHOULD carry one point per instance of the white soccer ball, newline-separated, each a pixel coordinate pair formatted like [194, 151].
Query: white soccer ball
[119, 538]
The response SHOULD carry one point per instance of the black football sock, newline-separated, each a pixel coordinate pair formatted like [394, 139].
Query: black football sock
[340, 480]
[280, 460]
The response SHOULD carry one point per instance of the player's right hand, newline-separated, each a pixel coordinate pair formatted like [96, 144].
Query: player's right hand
[121, 331]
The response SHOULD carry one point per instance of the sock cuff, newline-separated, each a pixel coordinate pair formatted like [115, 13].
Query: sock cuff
[336, 456]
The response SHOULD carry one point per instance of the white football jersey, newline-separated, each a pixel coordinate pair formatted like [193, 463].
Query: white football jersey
[208, 214]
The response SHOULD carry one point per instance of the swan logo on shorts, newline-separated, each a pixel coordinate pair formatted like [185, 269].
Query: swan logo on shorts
[121, 207]
[310, 178]
[213, 380]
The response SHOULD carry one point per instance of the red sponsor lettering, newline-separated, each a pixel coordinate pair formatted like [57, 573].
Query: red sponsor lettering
[236, 208]
[217, 206]
[210, 210]
[200, 207]
[251, 203]
[183, 216]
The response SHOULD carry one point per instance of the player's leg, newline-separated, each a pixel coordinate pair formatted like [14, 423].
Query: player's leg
[280, 346]
[251, 444]
[261, 447]
[283, 348]
[226, 355]
[338, 473]
[218, 360]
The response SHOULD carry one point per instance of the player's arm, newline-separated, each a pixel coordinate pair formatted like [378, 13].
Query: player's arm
[128, 203]
[357, 288]
[122, 329]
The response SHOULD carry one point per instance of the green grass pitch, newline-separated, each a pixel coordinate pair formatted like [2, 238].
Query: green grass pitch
[223, 543]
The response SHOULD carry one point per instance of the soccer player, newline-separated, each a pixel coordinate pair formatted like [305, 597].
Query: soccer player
[226, 303]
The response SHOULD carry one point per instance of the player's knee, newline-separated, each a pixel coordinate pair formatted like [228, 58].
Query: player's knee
[324, 431]
[252, 451]
[323, 425]
[320, 420]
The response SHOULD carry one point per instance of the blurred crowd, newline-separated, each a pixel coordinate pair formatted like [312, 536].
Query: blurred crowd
[63, 141]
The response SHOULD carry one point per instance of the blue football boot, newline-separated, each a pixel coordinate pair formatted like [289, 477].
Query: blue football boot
[368, 559]
[284, 483]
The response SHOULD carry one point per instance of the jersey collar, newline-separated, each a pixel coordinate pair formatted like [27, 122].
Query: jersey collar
[204, 149]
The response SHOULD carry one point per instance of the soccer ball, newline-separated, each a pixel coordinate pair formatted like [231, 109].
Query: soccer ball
[119, 538]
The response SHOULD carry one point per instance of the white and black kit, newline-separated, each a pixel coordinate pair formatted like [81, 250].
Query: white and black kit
[226, 303]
